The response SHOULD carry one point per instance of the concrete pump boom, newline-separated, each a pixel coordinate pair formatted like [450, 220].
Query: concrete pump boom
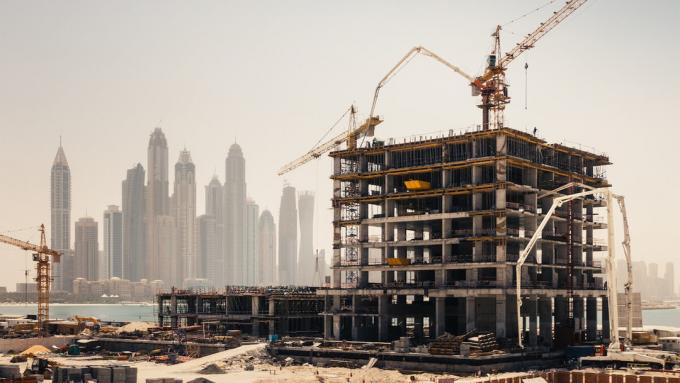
[610, 265]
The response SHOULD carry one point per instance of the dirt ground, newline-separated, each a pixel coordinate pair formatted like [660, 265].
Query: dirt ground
[249, 364]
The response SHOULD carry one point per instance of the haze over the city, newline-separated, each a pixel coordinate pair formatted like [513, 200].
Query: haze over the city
[274, 76]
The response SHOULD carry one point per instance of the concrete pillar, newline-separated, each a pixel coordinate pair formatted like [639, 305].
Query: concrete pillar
[255, 306]
[501, 320]
[532, 311]
[384, 317]
[579, 314]
[605, 320]
[470, 316]
[355, 328]
[173, 311]
[546, 315]
[591, 318]
[440, 316]
[272, 311]
[336, 326]
[327, 326]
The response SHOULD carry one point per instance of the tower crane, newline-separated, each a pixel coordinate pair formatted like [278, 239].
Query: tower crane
[491, 85]
[41, 256]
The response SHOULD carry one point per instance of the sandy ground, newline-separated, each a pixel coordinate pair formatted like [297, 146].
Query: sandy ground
[233, 362]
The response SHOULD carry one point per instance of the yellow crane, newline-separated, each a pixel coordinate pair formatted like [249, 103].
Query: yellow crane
[490, 85]
[41, 256]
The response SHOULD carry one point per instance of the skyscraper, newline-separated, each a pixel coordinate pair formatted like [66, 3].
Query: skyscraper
[214, 201]
[669, 280]
[287, 237]
[184, 212]
[87, 249]
[169, 266]
[134, 230]
[206, 249]
[234, 215]
[60, 205]
[267, 249]
[157, 201]
[113, 243]
[306, 257]
[252, 267]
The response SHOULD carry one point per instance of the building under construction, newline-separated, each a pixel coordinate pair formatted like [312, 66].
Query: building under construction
[427, 234]
[257, 311]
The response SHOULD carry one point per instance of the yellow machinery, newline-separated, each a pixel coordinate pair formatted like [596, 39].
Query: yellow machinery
[417, 185]
[41, 256]
[398, 261]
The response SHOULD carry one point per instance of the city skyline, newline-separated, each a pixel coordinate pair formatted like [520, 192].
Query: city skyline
[182, 247]
[105, 103]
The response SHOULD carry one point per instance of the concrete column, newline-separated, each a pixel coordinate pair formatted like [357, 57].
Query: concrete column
[327, 326]
[355, 319]
[336, 326]
[384, 318]
[255, 306]
[173, 311]
[546, 316]
[532, 311]
[579, 314]
[591, 318]
[440, 316]
[470, 316]
[605, 320]
[501, 320]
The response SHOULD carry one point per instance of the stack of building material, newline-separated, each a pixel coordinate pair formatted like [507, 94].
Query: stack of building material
[102, 374]
[402, 345]
[164, 380]
[446, 344]
[483, 342]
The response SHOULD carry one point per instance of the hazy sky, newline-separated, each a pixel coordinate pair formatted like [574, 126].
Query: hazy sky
[274, 75]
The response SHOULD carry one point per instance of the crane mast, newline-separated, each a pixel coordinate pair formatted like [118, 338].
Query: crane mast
[41, 256]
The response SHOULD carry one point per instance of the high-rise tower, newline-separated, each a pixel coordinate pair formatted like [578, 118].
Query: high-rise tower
[252, 268]
[134, 230]
[87, 249]
[234, 215]
[213, 252]
[113, 244]
[306, 256]
[60, 205]
[267, 249]
[157, 200]
[184, 212]
[288, 237]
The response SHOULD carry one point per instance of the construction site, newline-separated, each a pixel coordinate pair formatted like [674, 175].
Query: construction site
[427, 234]
[255, 311]
[463, 256]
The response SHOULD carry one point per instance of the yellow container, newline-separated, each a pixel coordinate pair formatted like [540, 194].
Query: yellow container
[417, 185]
[398, 261]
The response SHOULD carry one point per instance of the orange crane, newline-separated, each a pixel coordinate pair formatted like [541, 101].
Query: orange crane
[41, 256]
[491, 85]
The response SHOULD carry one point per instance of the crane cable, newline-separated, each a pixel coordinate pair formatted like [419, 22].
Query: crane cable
[528, 13]
[332, 128]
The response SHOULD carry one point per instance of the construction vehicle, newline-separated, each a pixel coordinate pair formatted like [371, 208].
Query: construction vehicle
[41, 256]
[614, 344]
[491, 86]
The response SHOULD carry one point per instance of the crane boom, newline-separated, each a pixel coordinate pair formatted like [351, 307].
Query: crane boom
[29, 246]
[407, 57]
[369, 125]
[542, 30]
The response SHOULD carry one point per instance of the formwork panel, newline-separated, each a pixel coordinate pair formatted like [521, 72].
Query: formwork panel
[645, 379]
